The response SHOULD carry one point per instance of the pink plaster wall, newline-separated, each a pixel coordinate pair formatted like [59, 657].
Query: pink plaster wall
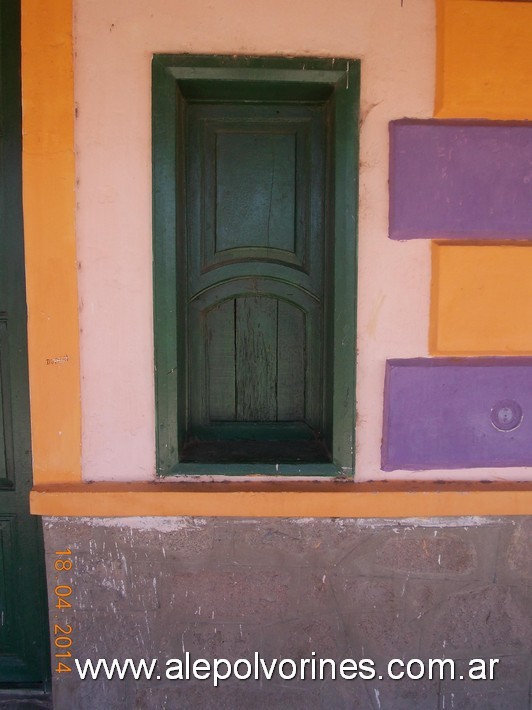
[114, 42]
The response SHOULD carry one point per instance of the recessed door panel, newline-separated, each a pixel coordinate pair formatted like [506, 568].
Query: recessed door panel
[255, 244]
[255, 205]
[270, 333]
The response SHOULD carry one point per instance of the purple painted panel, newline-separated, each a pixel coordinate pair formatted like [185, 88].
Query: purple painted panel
[460, 180]
[457, 413]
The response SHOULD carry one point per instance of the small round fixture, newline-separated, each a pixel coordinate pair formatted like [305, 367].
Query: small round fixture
[506, 415]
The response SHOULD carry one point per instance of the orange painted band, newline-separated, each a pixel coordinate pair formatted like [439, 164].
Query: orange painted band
[50, 240]
[316, 500]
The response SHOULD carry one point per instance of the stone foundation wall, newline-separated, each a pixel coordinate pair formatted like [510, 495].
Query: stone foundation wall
[226, 588]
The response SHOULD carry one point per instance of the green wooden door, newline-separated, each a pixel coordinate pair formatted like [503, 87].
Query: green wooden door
[23, 614]
[254, 216]
[255, 180]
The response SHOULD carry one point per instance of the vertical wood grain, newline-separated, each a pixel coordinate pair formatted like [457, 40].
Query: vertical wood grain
[221, 361]
[256, 359]
[291, 363]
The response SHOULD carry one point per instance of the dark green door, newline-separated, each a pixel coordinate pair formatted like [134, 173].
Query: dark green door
[23, 614]
[254, 206]
[256, 175]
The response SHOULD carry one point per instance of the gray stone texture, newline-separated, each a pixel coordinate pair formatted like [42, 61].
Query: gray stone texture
[297, 589]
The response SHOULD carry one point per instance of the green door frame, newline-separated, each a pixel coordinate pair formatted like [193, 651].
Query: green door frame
[219, 77]
[24, 649]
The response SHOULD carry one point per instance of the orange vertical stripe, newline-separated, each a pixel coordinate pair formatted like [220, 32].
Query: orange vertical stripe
[50, 245]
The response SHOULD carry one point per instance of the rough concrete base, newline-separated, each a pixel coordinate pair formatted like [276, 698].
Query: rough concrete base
[222, 588]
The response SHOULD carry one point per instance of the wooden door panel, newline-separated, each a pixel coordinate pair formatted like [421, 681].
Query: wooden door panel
[17, 640]
[6, 601]
[24, 658]
[292, 363]
[270, 334]
[256, 359]
[255, 185]
[6, 416]
[267, 329]
[255, 205]
[220, 374]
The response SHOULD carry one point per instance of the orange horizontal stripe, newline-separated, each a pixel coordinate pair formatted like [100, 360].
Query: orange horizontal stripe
[284, 500]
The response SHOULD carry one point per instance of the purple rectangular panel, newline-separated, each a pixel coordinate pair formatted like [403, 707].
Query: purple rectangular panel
[457, 413]
[453, 180]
